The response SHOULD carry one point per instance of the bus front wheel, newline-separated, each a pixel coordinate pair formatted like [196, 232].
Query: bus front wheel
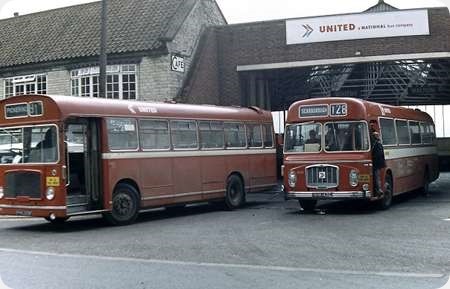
[386, 200]
[235, 193]
[308, 205]
[125, 205]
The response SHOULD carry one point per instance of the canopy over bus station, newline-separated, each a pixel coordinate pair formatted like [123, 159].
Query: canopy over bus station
[383, 54]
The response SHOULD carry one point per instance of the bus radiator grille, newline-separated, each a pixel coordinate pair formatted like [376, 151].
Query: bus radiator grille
[322, 176]
[23, 184]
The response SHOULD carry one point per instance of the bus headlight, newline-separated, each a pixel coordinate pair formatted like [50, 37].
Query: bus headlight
[50, 193]
[2, 194]
[353, 178]
[292, 179]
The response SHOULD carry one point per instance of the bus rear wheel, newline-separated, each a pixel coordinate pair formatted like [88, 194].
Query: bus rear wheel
[386, 201]
[235, 193]
[125, 205]
[426, 184]
[308, 205]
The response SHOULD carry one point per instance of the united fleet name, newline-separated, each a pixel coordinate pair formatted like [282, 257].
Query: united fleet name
[337, 28]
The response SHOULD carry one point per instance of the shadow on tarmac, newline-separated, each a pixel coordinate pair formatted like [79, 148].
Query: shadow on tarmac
[364, 207]
[96, 222]
[256, 201]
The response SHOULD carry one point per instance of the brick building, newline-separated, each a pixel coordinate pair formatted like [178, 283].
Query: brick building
[57, 51]
[251, 64]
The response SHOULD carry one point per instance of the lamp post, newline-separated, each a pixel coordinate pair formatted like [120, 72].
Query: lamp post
[103, 47]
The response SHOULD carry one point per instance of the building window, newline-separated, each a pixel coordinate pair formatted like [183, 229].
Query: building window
[21, 85]
[120, 82]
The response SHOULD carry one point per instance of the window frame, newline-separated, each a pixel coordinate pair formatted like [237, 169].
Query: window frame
[137, 134]
[322, 139]
[196, 132]
[348, 121]
[395, 131]
[409, 133]
[272, 134]
[245, 135]
[58, 143]
[38, 80]
[200, 138]
[91, 73]
[168, 134]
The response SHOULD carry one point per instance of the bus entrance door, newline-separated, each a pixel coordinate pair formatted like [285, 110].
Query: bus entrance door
[82, 159]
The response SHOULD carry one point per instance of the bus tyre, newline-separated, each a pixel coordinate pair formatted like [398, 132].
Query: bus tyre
[426, 184]
[386, 200]
[235, 193]
[57, 221]
[308, 205]
[125, 205]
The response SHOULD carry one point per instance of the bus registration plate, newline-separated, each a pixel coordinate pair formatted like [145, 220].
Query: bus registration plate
[23, 213]
[322, 195]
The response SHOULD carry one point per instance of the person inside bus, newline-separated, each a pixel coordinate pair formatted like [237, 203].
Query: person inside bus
[312, 137]
[378, 161]
[343, 140]
[45, 150]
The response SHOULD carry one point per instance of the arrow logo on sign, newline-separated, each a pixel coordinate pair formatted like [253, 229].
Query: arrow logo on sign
[308, 29]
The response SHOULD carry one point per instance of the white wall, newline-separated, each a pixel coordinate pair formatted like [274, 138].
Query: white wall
[441, 117]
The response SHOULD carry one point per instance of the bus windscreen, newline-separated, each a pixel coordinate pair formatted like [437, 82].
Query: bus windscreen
[37, 144]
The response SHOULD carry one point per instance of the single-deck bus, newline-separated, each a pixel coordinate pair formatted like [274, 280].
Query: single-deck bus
[327, 150]
[63, 156]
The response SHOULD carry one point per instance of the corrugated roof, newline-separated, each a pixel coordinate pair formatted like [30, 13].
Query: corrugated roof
[72, 32]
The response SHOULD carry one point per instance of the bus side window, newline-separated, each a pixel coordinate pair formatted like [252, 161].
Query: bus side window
[415, 132]
[254, 136]
[268, 135]
[388, 131]
[154, 134]
[122, 134]
[235, 135]
[211, 134]
[184, 134]
[402, 131]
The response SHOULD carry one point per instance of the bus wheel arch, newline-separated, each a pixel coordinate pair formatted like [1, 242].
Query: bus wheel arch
[126, 200]
[235, 193]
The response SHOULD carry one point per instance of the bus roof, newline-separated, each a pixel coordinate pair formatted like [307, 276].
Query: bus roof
[356, 109]
[63, 107]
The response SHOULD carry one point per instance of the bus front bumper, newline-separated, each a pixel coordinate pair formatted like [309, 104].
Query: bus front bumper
[335, 195]
[32, 211]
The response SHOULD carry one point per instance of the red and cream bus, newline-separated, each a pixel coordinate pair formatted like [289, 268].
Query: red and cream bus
[63, 156]
[327, 150]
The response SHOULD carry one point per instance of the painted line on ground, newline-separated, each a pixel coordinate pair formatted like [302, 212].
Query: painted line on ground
[225, 265]
[446, 285]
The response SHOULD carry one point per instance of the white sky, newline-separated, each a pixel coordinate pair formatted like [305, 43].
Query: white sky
[244, 10]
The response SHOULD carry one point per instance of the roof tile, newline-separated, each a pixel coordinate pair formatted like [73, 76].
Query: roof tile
[72, 32]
